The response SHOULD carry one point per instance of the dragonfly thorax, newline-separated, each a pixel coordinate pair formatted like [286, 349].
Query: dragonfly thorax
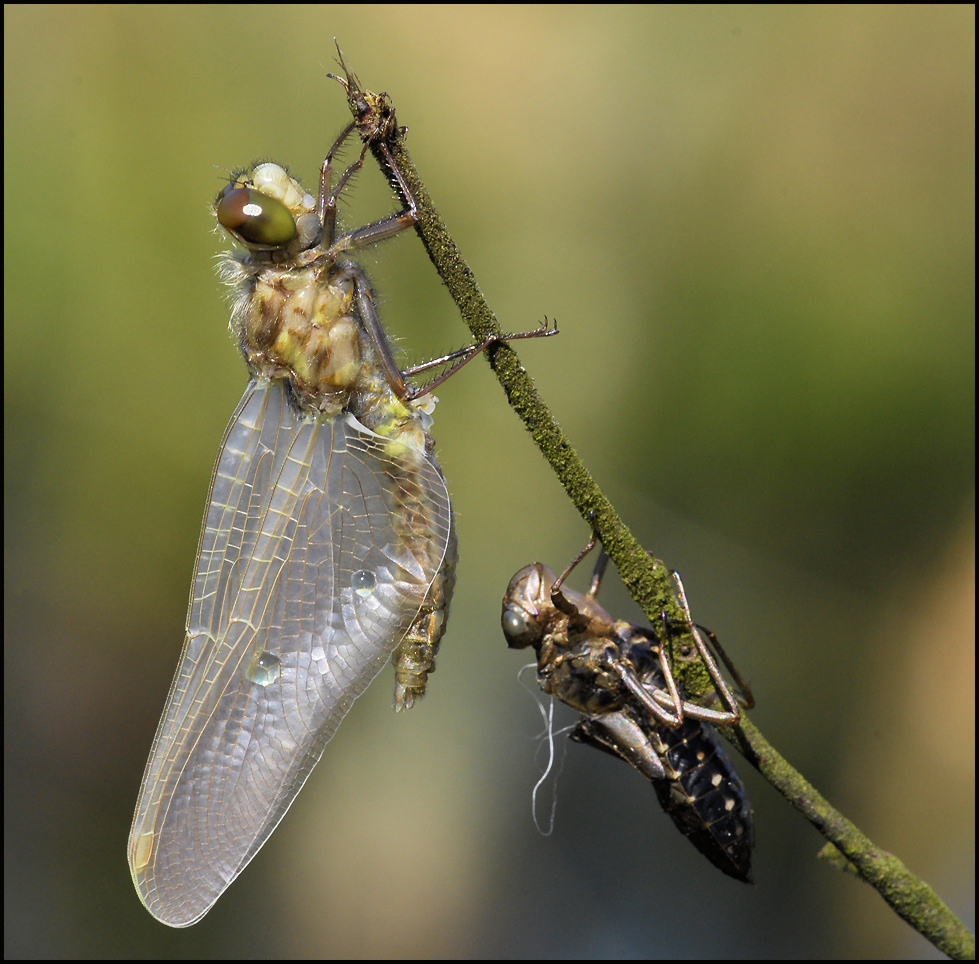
[299, 323]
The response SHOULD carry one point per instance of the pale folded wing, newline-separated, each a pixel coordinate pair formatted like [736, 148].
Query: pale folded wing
[317, 551]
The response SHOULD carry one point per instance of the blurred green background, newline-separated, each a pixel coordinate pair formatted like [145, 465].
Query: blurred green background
[755, 228]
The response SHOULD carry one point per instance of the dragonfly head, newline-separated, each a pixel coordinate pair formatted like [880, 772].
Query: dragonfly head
[527, 608]
[268, 210]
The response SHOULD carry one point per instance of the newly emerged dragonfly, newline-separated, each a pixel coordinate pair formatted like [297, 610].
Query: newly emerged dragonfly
[327, 545]
[620, 678]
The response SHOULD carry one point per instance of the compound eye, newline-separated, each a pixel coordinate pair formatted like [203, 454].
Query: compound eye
[519, 629]
[259, 220]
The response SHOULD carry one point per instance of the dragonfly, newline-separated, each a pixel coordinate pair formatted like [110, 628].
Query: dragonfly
[327, 546]
[619, 677]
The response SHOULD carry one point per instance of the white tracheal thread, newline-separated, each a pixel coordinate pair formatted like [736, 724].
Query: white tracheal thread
[548, 734]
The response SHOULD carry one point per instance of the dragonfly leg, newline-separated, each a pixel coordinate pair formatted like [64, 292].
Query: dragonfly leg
[466, 355]
[676, 703]
[744, 697]
[571, 566]
[666, 707]
[329, 196]
[598, 574]
[326, 205]
[558, 599]
[372, 325]
[732, 714]
[652, 700]
[364, 297]
[374, 232]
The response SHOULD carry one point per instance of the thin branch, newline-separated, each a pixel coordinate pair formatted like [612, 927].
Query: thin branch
[646, 577]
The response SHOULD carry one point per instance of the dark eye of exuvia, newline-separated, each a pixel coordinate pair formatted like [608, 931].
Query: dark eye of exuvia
[518, 629]
[256, 218]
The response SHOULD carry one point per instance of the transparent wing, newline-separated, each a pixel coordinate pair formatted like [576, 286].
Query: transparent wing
[319, 545]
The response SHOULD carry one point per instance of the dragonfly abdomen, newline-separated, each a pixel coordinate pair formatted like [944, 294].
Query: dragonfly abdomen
[704, 796]
[414, 659]
[693, 778]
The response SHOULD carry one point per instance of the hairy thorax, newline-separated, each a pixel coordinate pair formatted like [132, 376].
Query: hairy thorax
[299, 323]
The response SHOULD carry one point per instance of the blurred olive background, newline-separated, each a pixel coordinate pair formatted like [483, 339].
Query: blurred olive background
[754, 226]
